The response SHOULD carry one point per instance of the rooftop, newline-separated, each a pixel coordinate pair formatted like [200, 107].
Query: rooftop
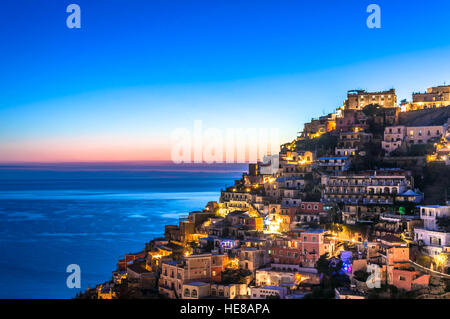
[137, 268]
[392, 239]
[197, 284]
[272, 288]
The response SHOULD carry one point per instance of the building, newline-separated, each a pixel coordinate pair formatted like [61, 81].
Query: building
[424, 134]
[346, 293]
[334, 164]
[396, 224]
[358, 99]
[129, 259]
[353, 140]
[301, 247]
[410, 196]
[308, 212]
[345, 151]
[374, 188]
[436, 241]
[408, 279]
[396, 260]
[268, 292]
[394, 136]
[251, 258]
[317, 127]
[193, 268]
[430, 213]
[286, 275]
[106, 291]
[351, 121]
[437, 96]
[230, 291]
[145, 278]
[196, 290]
[244, 218]
[270, 165]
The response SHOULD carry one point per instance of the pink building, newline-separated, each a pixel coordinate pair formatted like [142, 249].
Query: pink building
[303, 247]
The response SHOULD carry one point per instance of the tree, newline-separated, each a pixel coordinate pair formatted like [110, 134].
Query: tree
[323, 264]
[372, 110]
[361, 275]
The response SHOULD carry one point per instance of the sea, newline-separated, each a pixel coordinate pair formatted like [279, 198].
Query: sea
[91, 215]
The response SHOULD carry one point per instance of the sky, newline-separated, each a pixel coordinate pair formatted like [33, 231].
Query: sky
[136, 71]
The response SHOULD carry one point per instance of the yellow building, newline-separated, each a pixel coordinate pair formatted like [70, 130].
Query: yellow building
[358, 99]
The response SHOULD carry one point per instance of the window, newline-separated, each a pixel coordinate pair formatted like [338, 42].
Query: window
[402, 278]
[187, 293]
[194, 293]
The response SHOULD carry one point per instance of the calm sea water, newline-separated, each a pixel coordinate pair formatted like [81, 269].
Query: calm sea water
[91, 215]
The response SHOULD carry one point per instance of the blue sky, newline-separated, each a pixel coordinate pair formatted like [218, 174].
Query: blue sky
[136, 70]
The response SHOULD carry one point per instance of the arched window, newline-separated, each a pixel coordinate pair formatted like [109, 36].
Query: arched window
[194, 293]
[187, 293]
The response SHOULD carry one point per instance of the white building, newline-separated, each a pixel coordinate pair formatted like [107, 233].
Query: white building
[345, 151]
[334, 164]
[270, 165]
[230, 291]
[435, 240]
[196, 290]
[394, 136]
[285, 275]
[268, 291]
[429, 213]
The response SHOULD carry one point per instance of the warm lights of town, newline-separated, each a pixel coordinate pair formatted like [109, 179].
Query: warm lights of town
[320, 219]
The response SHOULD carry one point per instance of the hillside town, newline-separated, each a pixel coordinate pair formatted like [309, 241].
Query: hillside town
[355, 207]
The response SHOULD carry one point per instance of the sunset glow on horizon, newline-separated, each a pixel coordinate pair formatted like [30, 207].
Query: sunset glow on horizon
[94, 94]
